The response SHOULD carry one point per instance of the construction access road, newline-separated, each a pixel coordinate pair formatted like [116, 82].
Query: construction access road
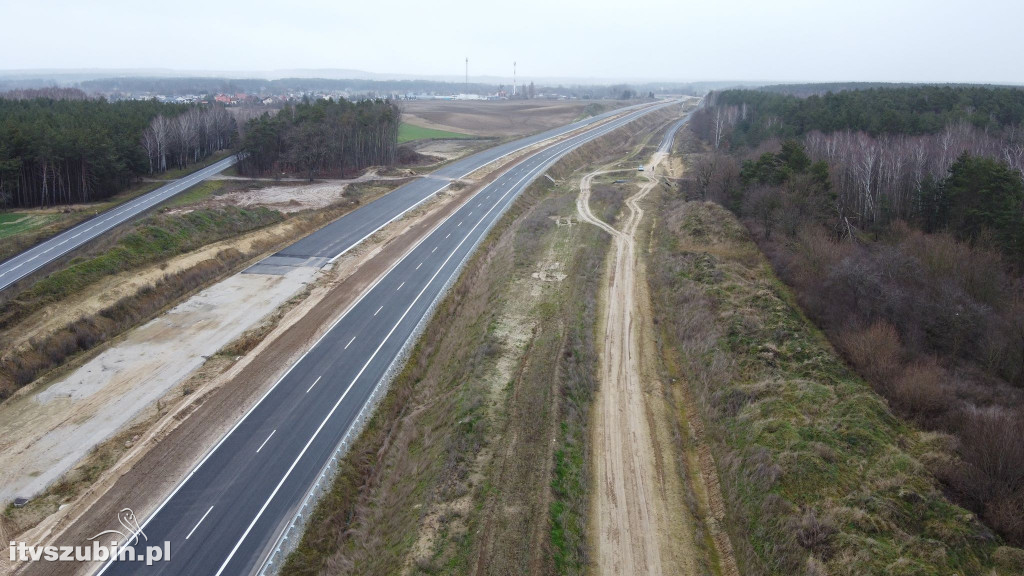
[229, 512]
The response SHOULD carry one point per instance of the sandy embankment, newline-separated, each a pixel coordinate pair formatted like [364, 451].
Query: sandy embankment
[42, 435]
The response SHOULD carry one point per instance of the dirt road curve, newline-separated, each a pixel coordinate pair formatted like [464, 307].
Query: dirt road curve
[632, 511]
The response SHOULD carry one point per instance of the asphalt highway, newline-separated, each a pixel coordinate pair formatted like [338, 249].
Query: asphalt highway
[42, 254]
[229, 511]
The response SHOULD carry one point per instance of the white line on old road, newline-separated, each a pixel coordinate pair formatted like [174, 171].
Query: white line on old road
[313, 384]
[418, 265]
[198, 523]
[399, 286]
[378, 310]
[265, 441]
[350, 342]
[434, 250]
[448, 236]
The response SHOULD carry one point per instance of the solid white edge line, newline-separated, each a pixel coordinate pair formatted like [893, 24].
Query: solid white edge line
[345, 393]
[198, 523]
[96, 222]
[285, 375]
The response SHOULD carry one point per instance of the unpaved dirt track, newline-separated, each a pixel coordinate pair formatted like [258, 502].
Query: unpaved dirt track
[633, 512]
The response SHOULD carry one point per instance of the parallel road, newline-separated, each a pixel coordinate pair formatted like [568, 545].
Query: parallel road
[338, 237]
[345, 232]
[42, 254]
[223, 517]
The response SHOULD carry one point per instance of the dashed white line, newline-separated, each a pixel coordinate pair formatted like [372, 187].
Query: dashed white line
[418, 265]
[200, 522]
[434, 250]
[267, 440]
[378, 310]
[313, 384]
[448, 236]
[350, 343]
[459, 224]
[399, 286]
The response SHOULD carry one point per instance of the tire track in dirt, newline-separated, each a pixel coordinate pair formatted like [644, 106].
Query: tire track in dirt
[631, 514]
[639, 521]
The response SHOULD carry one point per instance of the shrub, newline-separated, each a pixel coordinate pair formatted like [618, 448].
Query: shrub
[876, 350]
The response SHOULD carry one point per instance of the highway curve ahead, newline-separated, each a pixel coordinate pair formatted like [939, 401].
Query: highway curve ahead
[42, 254]
[225, 517]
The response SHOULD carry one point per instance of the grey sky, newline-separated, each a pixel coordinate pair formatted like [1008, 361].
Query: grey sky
[785, 40]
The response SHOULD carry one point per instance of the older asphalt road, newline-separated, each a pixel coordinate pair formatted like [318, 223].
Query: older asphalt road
[42, 254]
[234, 504]
[331, 241]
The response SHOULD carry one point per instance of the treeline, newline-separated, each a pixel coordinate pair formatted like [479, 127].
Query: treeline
[908, 250]
[754, 116]
[63, 151]
[187, 137]
[322, 138]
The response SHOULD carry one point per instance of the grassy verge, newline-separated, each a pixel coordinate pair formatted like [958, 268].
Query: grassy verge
[410, 132]
[44, 224]
[467, 466]
[153, 240]
[818, 476]
[15, 223]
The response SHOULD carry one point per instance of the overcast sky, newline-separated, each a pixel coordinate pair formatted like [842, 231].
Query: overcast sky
[783, 40]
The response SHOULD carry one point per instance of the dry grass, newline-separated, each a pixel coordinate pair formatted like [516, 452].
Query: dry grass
[499, 481]
[819, 477]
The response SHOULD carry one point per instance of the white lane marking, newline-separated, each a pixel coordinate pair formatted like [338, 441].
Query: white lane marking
[459, 224]
[198, 523]
[399, 286]
[266, 394]
[478, 204]
[267, 440]
[48, 249]
[449, 234]
[350, 342]
[434, 250]
[378, 310]
[418, 265]
[77, 235]
[313, 384]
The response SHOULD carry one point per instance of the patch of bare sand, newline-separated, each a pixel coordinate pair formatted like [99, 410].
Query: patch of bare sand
[290, 197]
[44, 433]
[640, 525]
[112, 288]
[175, 441]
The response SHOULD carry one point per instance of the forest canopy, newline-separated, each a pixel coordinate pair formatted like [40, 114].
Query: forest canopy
[912, 111]
[63, 151]
[323, 137]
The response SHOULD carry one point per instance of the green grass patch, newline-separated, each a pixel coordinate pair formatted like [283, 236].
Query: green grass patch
[410, 132]
[818, 475]
[198, 193]
[13, 223]
[154, 239]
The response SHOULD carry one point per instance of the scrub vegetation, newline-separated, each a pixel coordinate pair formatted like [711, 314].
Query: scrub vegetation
[819, 476]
